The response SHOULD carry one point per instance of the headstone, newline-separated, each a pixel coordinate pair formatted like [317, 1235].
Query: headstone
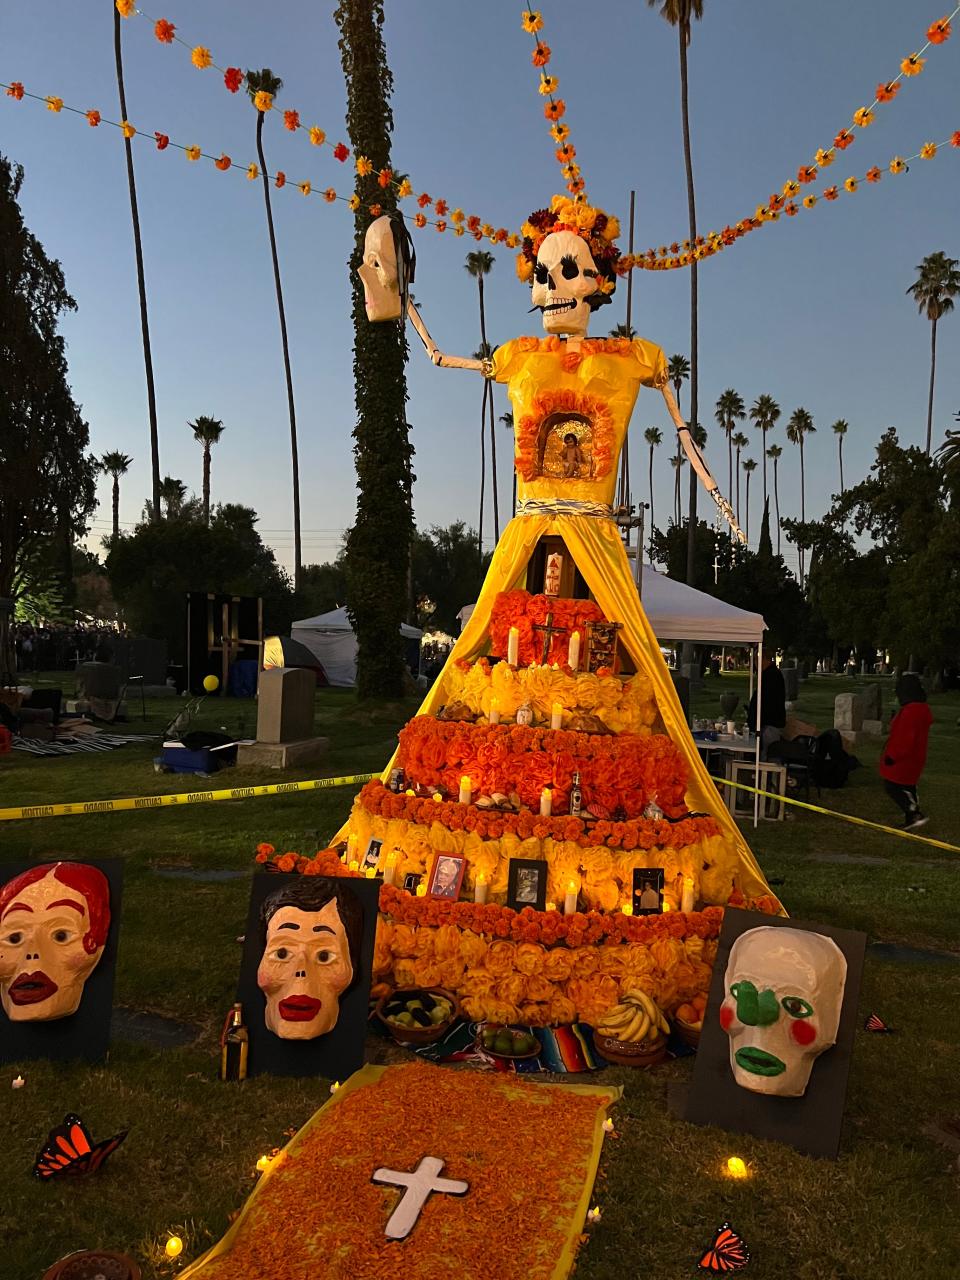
[872, 702]
[791, 683]
[802, 670]
[873, 728]
[285, 711]
[682, 686]
[848, 712]
[693, 673]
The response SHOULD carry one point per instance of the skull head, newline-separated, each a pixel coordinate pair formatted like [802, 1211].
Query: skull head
[564, 281]
[781, 1010]
[379, 273]
[311, 955]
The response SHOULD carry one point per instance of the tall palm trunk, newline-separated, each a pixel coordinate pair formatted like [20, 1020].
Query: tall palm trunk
[763, 452]
[483, 463]
[206, 483]
[840, 452]
[933, 374]
[803, 505]
[488, 401]
[297, 566]
[692, 210]
[747, 530]
[141, 281]
[729, 430]
[738, 486]
[776, 498]
[116, 498]
[651, 498]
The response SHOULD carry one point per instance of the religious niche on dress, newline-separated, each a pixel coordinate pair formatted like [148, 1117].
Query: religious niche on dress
[566, 447]
[602, 645]
[58, 951]
[305, 973]
[647, 891]
[527, 884]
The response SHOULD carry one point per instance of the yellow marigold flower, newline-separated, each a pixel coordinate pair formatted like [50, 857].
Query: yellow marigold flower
[824, 158]
[809, 201]
[126, 8]
[304, 188]
[353, 204]
[253, 172]
[457, 215]
[363, 166]
[524, 268]
[487, 229]
[54, 104]
[200, 57]
[850, 185]
[532, 21]
[192, 153]
[512, 241]
[459, 230]
[791, 188]
[127, 129]
[560, 132]
[548, 84]
[898, 165]
[317, 136]
[330, 195]
[262, 100]
[928, 151]
[912, 66]
[405, 188]
[863, 117]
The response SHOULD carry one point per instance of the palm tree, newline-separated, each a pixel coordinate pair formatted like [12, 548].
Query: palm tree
[172, 494]
[749, 466]
[116, 464]
[800, 425]
[677, 462]
[678, 368]
[740, 441]
[840, 428]
[265, 81]
[653, 437]
[774, 453]
[933, 291]
[141, 281]
[622, 331]
[206, 431]
[764, 413]
[729, 410]
[507, 420]
[479, 263]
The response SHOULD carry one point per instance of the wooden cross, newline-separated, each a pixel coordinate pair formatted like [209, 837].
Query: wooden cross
[549, 631]
[418, 1187]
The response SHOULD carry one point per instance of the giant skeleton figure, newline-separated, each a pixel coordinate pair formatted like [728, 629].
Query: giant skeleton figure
[568, 285]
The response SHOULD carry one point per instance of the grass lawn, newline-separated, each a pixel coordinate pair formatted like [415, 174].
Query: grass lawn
[885, 1210]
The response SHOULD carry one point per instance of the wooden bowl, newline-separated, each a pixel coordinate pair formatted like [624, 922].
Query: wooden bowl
[688, 1032]
[506, 1057]
[90, 1263]
[628, 1053]
[418, 1035]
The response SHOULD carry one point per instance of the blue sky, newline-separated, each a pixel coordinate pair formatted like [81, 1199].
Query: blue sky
[810, 310]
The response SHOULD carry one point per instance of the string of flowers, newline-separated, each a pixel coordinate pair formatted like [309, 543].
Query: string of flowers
[555, 108]
[446, 218]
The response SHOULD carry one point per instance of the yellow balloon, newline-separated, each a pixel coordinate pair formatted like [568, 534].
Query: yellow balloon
[211, 684]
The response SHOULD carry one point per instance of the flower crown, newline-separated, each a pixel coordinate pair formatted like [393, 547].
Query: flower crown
[597, 228]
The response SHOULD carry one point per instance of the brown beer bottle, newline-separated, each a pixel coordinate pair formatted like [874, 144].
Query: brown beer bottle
[234, 1046]
[576, 796]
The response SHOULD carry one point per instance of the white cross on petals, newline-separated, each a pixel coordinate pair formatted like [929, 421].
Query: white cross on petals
[417, 1189]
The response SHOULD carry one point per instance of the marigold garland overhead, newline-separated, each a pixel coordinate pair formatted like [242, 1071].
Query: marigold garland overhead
[555, 108]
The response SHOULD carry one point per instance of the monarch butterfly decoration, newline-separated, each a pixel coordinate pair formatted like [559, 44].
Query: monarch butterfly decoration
[727, 1253]
[70, 1149]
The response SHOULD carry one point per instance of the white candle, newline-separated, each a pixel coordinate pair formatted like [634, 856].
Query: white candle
[464, 790]
[573, 651]
[687, 900]
[513, 646]
[494, 710]
[390, 869]
[353, 842]
[570, 900]
[354, 865]
[546, 802]
[556, 716]
[480, 890]
[627, 908]
[370, 872]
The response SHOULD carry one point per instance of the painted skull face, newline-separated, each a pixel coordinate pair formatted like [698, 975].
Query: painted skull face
[564, 278]
[308, 961]
[378, 271]
[784, 991]
[54, 922]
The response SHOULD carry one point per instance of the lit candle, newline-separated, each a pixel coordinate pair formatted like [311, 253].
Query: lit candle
[354, 865]
[174, 1247]
[421, 890]
[513, 646]
[409, 792]
[736, 1168]
[480, 889]
[688, 899]
[17, 1082]
[494, 710]
[551, 906]
[353, 843]
[370, 872]
[464, 790]
[570, 901]
[665, 906]
[546, 802]
[390, 868]
[263, 1164]
[627, 909]
[573, 651]
[556, 716]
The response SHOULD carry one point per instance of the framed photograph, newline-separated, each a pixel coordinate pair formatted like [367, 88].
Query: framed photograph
[372, 857]
[527, 884]
[647, 891]
[446, 875]
[411, 881]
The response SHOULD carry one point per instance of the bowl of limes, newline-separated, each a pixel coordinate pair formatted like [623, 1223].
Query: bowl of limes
[418, 1015]
[507, 1042]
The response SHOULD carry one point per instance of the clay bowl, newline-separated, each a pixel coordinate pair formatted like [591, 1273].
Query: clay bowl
[92, 1264]
[505, 1057]
[418, 1035]
[688, 1032]
[627, 1053]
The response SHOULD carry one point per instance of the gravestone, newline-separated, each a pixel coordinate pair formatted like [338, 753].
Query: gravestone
[872, 702]
[791, 683]
[873, 728]
[848, 712]
[285, 714]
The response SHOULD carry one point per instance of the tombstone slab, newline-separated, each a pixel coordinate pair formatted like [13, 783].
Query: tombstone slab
[281, 755]
[285, 709]
[873, 728]
[848, 712]
[872, 702]
[791, 683]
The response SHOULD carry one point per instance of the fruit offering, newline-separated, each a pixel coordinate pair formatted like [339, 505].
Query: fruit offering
[509, 1042]
[692, 1012]
[636, 1018]
[417, 1009]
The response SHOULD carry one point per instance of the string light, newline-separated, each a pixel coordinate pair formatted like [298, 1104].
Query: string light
[736, 1168]
[173, 1248]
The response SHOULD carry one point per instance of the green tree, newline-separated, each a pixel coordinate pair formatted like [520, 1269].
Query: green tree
[764, 413]
[173, 493]
[949, 455]
[740, 441]
[774, 453]
[264, 81]
[798, 428]
[323, 588]
[379, 546]
[653, 437]
[933, 291]
[749, 466]
[840, 429]
[206, 431]
[677, 463]
[622, 331]
[141, 278]
[446, 571]
[115, 464]
[729, 411]
[47, 476]
[678, 370]
[479, 263]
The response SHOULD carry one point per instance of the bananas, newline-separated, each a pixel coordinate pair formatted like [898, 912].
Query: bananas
[637, 1017]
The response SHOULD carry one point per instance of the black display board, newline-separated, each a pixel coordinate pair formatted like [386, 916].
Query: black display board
[340, 1052]
[811, 1124]
[84, 1034]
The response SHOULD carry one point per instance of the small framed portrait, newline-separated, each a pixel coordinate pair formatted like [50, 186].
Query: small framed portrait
[411, 881]
[446, 876]
[527, 884]
[647, 891]
[372, 857]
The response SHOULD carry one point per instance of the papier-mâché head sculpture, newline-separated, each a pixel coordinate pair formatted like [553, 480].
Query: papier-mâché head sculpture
[569, 257]
[781, 1009]
[388, 267]
[54, 921]
[311, 955]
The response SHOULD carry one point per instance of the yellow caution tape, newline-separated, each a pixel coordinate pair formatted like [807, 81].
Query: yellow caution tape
[832, 813]
[183, 798]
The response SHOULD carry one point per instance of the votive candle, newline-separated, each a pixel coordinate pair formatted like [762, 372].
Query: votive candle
[513, 646]
[354, 865]
[421, 890]
[480, 889]
[546, 802]
[573, 652]
[370, 872]
[556, 716]
[627, 909]
[465, 794]
[687, 900]
[494, 710]
[570, 900]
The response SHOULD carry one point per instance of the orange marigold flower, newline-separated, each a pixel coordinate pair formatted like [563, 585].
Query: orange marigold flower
[928, 151]
[363, 166]
[939, 31]
[353, 204]
[473, 222]
[548, 85]
[341, 152]
[541, 55]
[955, 139]
[843, 139]
[164, 31]
[126, 7]
[887, 92]
[791, 188]
[576, 186]
[532, 21]
[824, 158]
[93, 118]
[807, 173]
[163, 141]
[912, 65]
[850, 184]
[262, 100]
[441, 226]
[291, 120]
[266, 848]
[898, 165]
[233, 78]
[560, 132]
[317, 136]
[873, 175]
[192, 153]
[566, 152]
[287, 862]
[404, 189]
[420, 219]
[280, 180]
[330, 195]
[863, 117]
[54, 104]
[15, 90]
[304, 188]
[423, 200]
[512, 241]
[201, 57]
[440, 208]
[790, 209]
[831, 193]
[384, 177]
[555, 109]
[809, 201]
[127, 129]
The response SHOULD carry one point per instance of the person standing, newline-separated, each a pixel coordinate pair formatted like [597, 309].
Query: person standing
[905, 753]
[773, 705]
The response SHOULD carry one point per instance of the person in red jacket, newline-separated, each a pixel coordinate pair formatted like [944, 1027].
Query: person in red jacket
[905, 753]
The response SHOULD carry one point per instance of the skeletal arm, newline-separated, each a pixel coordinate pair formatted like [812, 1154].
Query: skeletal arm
[444, 362]
[696, 460]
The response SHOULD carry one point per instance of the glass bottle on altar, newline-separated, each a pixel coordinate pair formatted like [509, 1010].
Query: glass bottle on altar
[576, 797]
[234, 1046]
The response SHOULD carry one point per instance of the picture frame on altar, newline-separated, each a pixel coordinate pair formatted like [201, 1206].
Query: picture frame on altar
[372, 856]
[647, 891]
[527, 884]
[446, 876]
[411, 881]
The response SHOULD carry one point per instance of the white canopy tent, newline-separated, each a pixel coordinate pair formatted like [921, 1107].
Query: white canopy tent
[331, 639]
